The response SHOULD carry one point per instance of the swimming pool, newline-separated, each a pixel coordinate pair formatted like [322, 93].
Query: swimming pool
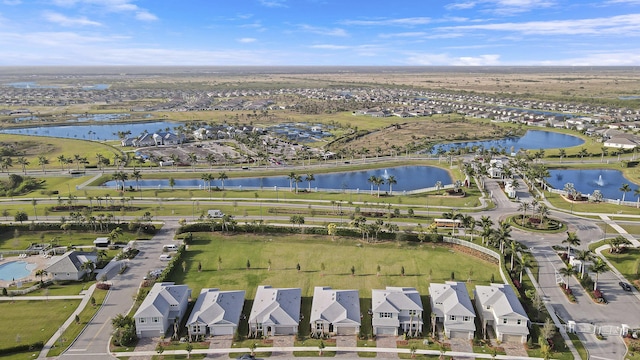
[15, 270]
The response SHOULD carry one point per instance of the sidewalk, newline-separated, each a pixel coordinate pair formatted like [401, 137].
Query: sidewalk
[85, 300]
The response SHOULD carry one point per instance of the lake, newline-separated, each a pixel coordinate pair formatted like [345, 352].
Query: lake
[408, 178]
[586, 181]
[532, 140]
[94, 131]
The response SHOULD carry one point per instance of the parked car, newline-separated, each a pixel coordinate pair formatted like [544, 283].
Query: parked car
[165, 257]
[624, 286]
[246, 357]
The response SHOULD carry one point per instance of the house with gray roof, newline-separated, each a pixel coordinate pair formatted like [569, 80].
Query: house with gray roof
[499, 307]
[163, 307]
[334, 312]
[451, 305]
[216, 313]
[275, 311]
[396, 310]
[69, 265]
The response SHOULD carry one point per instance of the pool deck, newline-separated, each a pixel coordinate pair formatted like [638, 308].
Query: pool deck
[38, 260]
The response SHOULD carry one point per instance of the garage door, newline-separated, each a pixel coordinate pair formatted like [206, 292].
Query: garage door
[459, 335]
[385, 331]
[346, 330]
[222, 330]
[512, 338]
[148, 333]
[285, 330]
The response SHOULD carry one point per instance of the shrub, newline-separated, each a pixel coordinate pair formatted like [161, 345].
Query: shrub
[103, 286]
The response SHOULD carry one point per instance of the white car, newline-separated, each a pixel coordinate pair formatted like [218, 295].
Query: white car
[165, 257]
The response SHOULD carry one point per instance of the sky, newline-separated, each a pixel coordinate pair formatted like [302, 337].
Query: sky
[320, 32]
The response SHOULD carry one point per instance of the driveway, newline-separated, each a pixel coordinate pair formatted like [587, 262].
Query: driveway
[345, 341]
[462, 345]
[387, 341]
[220, 342]
[282, 341]
[513, 348]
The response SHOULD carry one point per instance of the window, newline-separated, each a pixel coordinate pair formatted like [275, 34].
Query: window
[466, 318]
[413, 312]
[504, 321]
[519, 321]
[155, 319]
[452, 317]
[386, 315]
[318, 326]
[142, 320]
[259, 326]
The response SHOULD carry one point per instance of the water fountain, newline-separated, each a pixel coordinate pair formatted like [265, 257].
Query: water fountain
[385, 175]
[600, 182]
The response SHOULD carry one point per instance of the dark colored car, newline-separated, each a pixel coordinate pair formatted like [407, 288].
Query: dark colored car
[624, 286]
[246, 357]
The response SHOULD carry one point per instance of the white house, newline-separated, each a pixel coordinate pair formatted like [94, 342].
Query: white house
[451, 304]
[621, 143]
[275, 311]
[496, 168]
[499, 307]
[69, 266]
[165, 305]
[335, 311]
[216, 312]
[396, 310]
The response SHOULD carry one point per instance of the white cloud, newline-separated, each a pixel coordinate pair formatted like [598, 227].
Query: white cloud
[615, 25]
[504, 7]
[404, 35]
[64, 20]
[412, 21]
[116, 6]
[273, 3]
[247, 40]
[12, 2]
[427, 59]
[323, 31]
[461, 5]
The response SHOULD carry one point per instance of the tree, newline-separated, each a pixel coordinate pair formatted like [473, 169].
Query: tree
[379, 181]
[582, 153]
[618, 243]
[598, 267]
[298, 267]
[309, 178]
[193, 159]
[222, 176]
[219, 262]
[21, 216]
[353, 270]
[584, 256]
[571, 240]
[567, 272]
[248, 264]
[372, 180]
[562, 153]
[625, 188]
[136, 175]
[297, 179]
[62, 160]
[291, 177]
[524, 206]
[42, 161]
[189, 349]
[172, 182]
[391, 180]
[402, 271]
[332, 229]
[24, 163]
[41, 273]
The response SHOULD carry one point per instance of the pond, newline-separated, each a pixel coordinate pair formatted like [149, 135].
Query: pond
[408, 178]
[95, 131]
[532, 140]
[15, 270]
[586, 181]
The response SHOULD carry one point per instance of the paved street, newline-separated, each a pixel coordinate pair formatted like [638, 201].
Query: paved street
[93, 341]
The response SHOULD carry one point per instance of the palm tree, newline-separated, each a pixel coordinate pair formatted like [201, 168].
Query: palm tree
[584, 256]
[297, 179]
[524, 206]
[193, 158]
[486, 223]
[567, 272]
[291, 177]
[513, 249]
[41, 273]
[222, 177]
[562, 154]
[571, 240]
[598, 267]
[372, 180]
[525, 263]
[88, 266]
[583, 152]
[502, 235]
[42, 161]
[625, 188]
[62, 160]
[309, 178]
[391, 180]
[379, 181]
[23, 162]
[136, 175]
[207, 178]
[210, 159]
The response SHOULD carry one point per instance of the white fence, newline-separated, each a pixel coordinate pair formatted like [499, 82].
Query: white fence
[481, 249]
[604, 200]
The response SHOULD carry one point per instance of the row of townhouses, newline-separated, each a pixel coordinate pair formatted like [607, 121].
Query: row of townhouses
[394, 311]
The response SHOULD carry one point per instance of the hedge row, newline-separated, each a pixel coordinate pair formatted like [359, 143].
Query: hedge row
[22, 348]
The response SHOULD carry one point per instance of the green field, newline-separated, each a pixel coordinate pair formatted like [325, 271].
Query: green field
[29, 315]
[286, 251]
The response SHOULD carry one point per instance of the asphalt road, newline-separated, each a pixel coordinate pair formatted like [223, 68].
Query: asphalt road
[93, 341]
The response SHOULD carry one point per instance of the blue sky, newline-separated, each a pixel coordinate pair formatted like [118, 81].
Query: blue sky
[320, 32]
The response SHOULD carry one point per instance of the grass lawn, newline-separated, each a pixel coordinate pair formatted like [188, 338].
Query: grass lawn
[589, 207]
[286, 251]
[584, 355]
[366, 343]
[29, 315]
[21, 239]
[85, 316]
[628, 263]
